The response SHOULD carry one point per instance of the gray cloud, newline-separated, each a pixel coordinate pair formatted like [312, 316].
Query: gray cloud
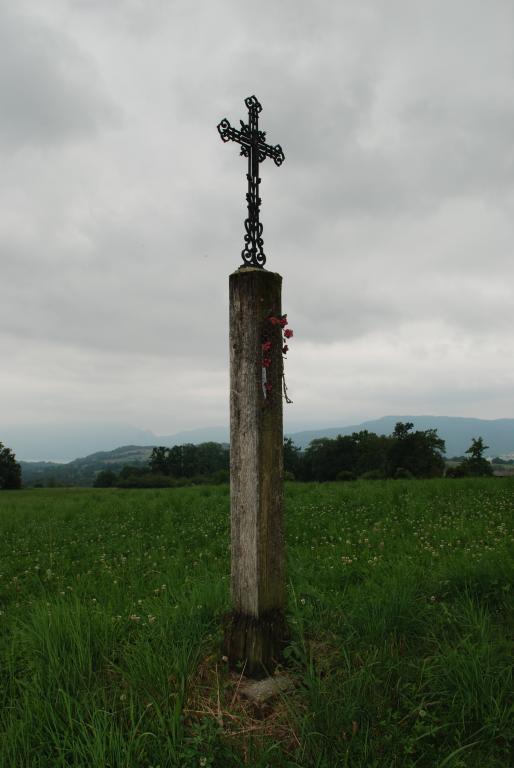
[122, 212]
[49, 90]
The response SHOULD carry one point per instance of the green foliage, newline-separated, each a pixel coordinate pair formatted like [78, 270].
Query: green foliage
[474, 466]
[105, 479]
[345, 475]
[373, 474]
[10, 470]
[190, 460]
[403, 474]
[325, 458]
[292, 458]
[419, 453]
[219, 477]
[403, 454]
[456, 472]
[477, 448]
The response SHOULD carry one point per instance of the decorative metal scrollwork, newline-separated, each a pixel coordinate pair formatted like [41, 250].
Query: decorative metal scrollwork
[254, 147]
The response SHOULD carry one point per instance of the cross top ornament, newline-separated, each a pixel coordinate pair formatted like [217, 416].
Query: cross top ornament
[254, 147]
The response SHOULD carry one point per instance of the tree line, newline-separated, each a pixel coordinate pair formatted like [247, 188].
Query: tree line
[405, 453]
[179, 465]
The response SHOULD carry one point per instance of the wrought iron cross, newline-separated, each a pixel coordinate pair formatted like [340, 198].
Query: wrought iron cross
[254, 147]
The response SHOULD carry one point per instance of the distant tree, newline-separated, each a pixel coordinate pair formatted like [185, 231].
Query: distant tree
[371, 452]
[325, 458]
[130, 471]
[220, 476]
[211, 458]
[105, 479]
[476, 449]
[10, 470]
[159, 460]
[189, 460]
[292, 459]
[418, 453]
[476, 465]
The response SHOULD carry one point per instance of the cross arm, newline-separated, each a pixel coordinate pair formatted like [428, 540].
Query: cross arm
[228, 133]
[275, 153]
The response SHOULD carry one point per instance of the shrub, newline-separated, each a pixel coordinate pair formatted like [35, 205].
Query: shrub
[455, 472]
[373, 474]
[220, 477]
[148, 481]
[403, 474]
[105, 479]
[345, 475]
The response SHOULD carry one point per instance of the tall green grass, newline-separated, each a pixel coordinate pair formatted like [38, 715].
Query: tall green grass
[400, 608]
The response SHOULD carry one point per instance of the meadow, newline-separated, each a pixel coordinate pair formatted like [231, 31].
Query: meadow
[400, 604]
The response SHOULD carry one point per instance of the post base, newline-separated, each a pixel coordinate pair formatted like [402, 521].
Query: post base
[255, 644]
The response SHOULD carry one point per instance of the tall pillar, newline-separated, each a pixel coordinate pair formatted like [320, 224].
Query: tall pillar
[256, 629]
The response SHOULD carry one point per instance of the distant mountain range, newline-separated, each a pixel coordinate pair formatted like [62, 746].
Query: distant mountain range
[83, 471]
[457, 432]
[63, 443]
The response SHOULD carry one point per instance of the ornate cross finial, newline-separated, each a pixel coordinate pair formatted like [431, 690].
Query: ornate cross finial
[254, 147]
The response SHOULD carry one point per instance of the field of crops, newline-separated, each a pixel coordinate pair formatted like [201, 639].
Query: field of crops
[401, 611]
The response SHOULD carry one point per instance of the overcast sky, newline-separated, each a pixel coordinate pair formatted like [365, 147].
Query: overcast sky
[391, 220]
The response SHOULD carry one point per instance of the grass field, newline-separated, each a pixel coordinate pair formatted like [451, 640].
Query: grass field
[400, 605]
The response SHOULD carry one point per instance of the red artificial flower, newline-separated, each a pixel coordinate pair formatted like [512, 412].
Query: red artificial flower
[266, 346]
[269, 386]
[285, 349]
[283, 320]
[274, 320]
[288, 333]
[266, 362]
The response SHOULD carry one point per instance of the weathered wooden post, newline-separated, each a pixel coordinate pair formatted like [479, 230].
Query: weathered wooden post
[256, 629]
